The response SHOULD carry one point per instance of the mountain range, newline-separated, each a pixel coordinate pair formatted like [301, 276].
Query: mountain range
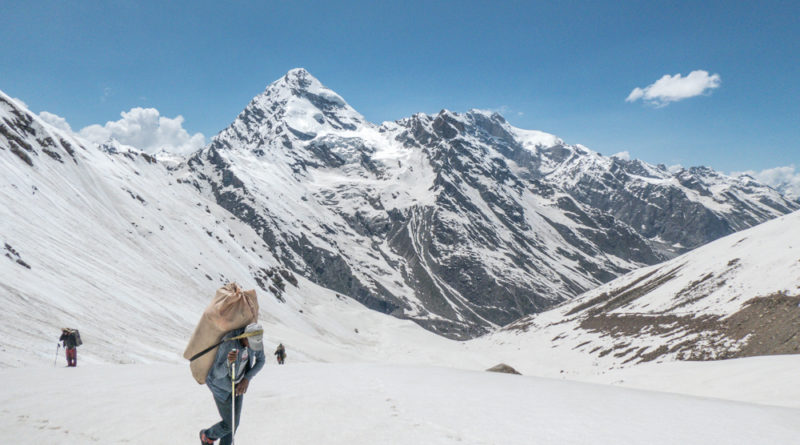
[457, 221]
[460, 222]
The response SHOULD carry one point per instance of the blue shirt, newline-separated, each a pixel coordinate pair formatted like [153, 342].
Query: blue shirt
[248, 363]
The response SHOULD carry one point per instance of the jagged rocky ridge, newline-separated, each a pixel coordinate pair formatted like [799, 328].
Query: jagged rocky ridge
[461, 222]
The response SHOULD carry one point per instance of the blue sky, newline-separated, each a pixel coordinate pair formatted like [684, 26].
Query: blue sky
[561, 67]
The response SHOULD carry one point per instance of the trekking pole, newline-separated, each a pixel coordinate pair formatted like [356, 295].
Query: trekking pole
[233, 400]
[58, 346]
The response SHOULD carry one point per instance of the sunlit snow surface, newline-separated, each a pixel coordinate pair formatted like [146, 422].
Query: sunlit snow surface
[369, 404]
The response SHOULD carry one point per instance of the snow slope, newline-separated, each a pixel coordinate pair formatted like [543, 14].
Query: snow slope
[738, 296]
[366, 404]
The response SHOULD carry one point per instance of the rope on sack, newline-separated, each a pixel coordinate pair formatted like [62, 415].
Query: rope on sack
[245, 335]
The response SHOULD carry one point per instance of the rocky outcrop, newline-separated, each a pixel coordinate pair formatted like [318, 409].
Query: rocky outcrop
[503, 368]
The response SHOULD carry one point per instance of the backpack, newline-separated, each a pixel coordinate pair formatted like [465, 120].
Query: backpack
[77, 336]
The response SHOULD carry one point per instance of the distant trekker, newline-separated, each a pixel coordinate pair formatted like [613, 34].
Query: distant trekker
[71, 339]
[280, 353]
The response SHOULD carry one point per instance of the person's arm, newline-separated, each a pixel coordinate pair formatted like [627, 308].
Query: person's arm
[260, 361]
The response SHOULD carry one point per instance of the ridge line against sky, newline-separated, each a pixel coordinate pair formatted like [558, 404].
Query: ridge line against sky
[712, 84]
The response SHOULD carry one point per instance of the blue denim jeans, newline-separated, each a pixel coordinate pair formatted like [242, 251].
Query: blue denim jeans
[222, 430]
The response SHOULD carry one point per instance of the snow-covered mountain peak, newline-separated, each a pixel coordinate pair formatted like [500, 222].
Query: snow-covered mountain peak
[301, 78]
[488, 113]
[299, 82]
[295, 107]
[488, 127]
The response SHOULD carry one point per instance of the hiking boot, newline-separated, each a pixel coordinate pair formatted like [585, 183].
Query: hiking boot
[204, 440]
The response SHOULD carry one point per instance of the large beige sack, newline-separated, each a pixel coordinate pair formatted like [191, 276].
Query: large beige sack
[230, 309]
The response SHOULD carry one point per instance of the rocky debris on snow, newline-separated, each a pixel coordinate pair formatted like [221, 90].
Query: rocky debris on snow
[736, 297]
[764, 326]
[274, 279]
[13, 255]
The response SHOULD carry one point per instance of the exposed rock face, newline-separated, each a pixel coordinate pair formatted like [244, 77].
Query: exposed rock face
[26, 138]
[458, 221]
[682, 210]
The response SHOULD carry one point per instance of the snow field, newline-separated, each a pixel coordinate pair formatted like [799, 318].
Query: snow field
[360, 403]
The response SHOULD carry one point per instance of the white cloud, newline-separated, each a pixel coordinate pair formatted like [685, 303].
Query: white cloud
[147, 130]
[784, 179]
[674, 88]
[56, 121]
[624, 155]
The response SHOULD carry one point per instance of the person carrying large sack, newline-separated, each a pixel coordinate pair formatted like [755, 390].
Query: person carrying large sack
[236, 363]
[225, 353]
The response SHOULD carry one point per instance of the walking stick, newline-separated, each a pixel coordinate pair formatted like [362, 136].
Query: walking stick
[58, 346]
[233, 401]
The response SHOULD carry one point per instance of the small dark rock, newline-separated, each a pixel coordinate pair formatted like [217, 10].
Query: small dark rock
[502, 367]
